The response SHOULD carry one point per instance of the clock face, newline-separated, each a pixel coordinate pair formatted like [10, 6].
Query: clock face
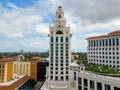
[33, 62]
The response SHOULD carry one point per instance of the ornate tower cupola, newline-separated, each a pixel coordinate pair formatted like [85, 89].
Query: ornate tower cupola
[59, 13]
[59, 53]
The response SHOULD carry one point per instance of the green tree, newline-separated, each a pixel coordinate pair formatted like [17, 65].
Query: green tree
[32, 82]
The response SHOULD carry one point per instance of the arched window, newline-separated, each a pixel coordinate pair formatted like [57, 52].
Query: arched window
[59, 32]
[59, 17]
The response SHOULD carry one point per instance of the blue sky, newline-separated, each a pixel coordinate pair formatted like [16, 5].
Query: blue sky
[24, 24]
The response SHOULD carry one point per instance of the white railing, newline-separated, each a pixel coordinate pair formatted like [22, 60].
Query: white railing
[107, 78]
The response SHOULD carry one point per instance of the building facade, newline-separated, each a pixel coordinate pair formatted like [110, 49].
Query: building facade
[33, 67]
[6, 70]
[105, 49]
[90, 81]
[21, 68]
[41, 70]
[59, 54]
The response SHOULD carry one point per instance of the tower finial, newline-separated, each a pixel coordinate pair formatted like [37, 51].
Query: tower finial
[59, 6]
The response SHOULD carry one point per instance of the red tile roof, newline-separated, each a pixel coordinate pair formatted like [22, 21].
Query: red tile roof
[111, 34]
[7, 59]
[35, 58]
[15, 84]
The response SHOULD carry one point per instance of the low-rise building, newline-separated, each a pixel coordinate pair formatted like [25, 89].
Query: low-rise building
[6, 69]
[33, 67]
[21, 68]
[15, 83]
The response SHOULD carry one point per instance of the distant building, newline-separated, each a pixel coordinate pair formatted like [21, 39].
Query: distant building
[6, 69]
[104, 49]
[20, 57]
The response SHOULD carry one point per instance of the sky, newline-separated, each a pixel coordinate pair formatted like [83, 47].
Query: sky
[24, 24]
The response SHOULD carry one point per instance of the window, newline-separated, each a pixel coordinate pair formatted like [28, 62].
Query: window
[56, 68]
[51, 77]
[109, 42]
[59, 32]
[117, 53]
[56, 72]
[66, 39]
[56, 45]
[113, 41]
[61, 68]
[107, 87]
[67, 77]
[61, 60]
[66, 68]
[62, 78]
[100, 43]
[61, 45]
[52, 39]
[61, 39]
[66, 64]
[51, 72]
[66, 47]
[117, 41]
[99, 86]
[106, 42]
[113, 48]
[51, 45]
[97, 42]
[66, 72]
[91, 84]
[117, 57]
[117, 48]
[61, 72]
[51, 60]
[56, 39]
[66, 44]
[103, 42]
[56, 77]
[51, 68]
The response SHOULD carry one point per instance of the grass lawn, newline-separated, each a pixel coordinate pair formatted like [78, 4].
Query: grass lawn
[103, 69]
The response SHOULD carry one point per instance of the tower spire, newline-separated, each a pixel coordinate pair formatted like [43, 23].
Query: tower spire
[59, 13]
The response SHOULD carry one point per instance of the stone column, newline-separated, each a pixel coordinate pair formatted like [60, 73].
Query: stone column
[88, 84]
[82, 83]
[95, 85]
[103, 86]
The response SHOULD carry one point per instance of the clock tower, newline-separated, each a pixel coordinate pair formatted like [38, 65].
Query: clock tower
[59, 54]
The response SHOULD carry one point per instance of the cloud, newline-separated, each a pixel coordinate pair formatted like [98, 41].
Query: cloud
[94, 11]
[12, 5]
[28, 26]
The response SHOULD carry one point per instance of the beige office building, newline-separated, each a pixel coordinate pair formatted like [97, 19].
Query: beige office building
[21, 68]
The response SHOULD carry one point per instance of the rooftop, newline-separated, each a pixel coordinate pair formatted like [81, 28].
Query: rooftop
[111, 34]
[36, 58]
[15, 83]
[114, 80]
[7, 59]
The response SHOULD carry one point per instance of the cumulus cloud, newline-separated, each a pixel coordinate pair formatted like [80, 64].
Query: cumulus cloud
[94, 11]
[28, 26]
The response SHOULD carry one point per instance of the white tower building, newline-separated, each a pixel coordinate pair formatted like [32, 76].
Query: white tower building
[59, 54]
